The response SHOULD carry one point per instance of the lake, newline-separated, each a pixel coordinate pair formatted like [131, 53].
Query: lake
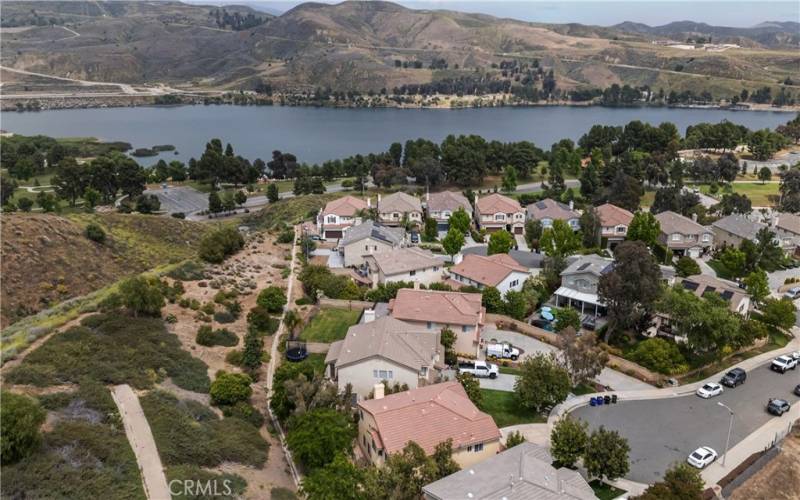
[318, 134]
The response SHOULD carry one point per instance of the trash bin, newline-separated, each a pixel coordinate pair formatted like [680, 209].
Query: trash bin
[592, 402]
[607, 399]
[599, 400]
[614, 398]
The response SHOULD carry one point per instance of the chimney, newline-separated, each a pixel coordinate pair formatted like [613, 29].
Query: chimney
[571, 205]
[378, 389]
[694, 217]
[369, 315]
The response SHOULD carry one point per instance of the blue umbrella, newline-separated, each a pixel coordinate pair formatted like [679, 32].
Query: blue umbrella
[548, 315]
[547, 308]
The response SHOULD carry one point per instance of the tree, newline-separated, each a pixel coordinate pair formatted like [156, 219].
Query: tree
[272, 192]
[662, 356]
[443, 459]
[218, 244]
[252, 352]
[340, 479]
[240, 197]
[7, 188]
[533, 233]
[681, 482]
[228, 201]
[625, 191]
[272, 298]
[316, 437]
[47, 201]
[567, 317]
[779, 313]
[509, 179]
[734, 203]
[448, 339]
[25, 204]
[790, 191]
[500, 242]
[471, 387]
[453, 241]
[582, 356]
[516, 305]
[402, 476]
[70, 180]
[734, 261]
[460, 220]
[590, 228]
[764, 174]
[757, 285]
[542, 383]
[645, 228]
[514, 438]
[431, 231]
[214, 202]
[606, 454]
[568, 441]
[559, 240]
[686, 266]
[91, 196]
[147, 203]
[230, 388]
[20, 420]
[142, 295]
[708, 323]
[631, 288]
[492, 300]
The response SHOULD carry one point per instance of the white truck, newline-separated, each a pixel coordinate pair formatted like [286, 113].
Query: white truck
[502, 350]
[480, 369]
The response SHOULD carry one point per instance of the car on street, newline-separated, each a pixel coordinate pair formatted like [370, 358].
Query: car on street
[797, 390]
[702, 457]
[778, 406]
[792, 293]
[709, 390]
[734, 377]
[784, 363]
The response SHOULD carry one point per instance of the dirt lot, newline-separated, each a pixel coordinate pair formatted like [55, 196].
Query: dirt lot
[779, 479]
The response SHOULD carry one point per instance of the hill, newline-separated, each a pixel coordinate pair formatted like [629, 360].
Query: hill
[371, 46]
[47, 259]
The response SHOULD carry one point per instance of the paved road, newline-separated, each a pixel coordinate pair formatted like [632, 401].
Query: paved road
[141, 440]
[535, 187]
[663, 431]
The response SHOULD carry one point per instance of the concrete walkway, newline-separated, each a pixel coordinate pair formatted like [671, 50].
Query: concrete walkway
[705, 268]
[141, 440]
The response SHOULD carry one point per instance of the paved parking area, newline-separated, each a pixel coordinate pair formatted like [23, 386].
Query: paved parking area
[663, 431]
[526, 344]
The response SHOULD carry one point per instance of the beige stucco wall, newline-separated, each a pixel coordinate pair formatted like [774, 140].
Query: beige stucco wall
[465, 341]
[425, 277]
[466, 458]
[354, 252]
[360, 375]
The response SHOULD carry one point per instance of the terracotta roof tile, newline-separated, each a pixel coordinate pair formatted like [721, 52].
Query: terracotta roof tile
[496, 203]
[448, 200]
[347, 206]
[612, 215]
[453, 308]
[488, 271]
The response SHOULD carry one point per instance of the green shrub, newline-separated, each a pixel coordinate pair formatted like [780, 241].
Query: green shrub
[303, 301]
[224, 317]
[95, 233]
[244, 411]
[286, 236]
[234, 483]
[20, 420]
[272, 298]
[234, 357]
[217, 245]
[208, 337]
[660, 355]
[317, 436]
[230, 388]
[259, 318]
[686, 266]
[188, 271]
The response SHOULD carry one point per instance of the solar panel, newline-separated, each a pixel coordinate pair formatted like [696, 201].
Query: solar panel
[584, 266]
[690, 285]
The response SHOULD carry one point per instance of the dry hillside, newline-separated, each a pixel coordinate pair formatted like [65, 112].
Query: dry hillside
[47, 258]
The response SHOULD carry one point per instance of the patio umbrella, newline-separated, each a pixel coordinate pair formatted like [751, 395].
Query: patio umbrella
[547, 315]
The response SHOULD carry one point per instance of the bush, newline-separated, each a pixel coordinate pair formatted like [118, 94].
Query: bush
[303, 301]
[208, 337]
[686, 266]
[230, 388]
[95, 233]
[660, 355]
[188, 271]
[272, 298]
[20, 420]
[286, 236]
[317, 436]
[259, 319]
[217, 245]
[246, 412]
[178, 215]
[224, 317]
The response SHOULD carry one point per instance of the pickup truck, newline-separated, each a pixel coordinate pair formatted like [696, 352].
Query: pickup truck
[502, 350]
[783, 363]
[480, 369]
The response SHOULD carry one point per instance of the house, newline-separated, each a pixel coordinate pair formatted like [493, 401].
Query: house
[579, 284]
[434, 310]
[701, 284]
[428, 416]
[398, 208]
[440, 206]
[787, 228]
[369, 238]
[500, 271]
[523, 472]
[384, 349]
[532, 261]
[405, 264]
[734, 229]
[614, 222]
[548, 210]
[495, 212]
[338, 215]
[683, 235]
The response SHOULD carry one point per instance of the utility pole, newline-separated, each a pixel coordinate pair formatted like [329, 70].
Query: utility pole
[730, 428]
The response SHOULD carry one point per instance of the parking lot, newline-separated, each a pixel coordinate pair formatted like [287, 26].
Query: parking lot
[664, 431]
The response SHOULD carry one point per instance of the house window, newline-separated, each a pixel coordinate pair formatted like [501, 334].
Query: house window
[430, 325]
[366, 248]
[423, 372]
[478, 447]
[375, 373]
[469, 448]
[464, 328]
[514, 283]
[499, 216]
[435, 268]
[676, 237]
[412, 273]
[446, 214]
[706, 237]
[620, 229]
[383, 374]
[331, 219]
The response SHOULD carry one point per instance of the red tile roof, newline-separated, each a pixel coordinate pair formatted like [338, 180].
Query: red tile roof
[497, 203]
[612, 215]
[347, 206]
[488, 271]
[453, 308]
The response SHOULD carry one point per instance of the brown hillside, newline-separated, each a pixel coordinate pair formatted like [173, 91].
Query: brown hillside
[47, 259]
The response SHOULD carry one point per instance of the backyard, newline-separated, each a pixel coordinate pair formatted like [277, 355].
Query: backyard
[329, 325]
[503, 407]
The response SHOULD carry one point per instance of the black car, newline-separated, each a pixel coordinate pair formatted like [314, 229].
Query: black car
[797, 390]
[778, 406]
[414, 237]
[734, 377]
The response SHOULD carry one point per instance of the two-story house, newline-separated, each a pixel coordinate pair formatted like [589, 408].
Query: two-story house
[338, 215]
[579, 284]
[549, 210]
[496, 212]
[433, 310]
[384, 349]
[440, 206]
[428, 416]
[398, 208]
[734, 229]
[500, 271]
[405, 264]
[614, 222]
[369, 238]
[787, 227]
[683, 235]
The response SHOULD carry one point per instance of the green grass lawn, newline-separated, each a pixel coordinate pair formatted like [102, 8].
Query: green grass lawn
[762, 195]
[329, 325]
[503, 408]
[719, 268]
[605, 491]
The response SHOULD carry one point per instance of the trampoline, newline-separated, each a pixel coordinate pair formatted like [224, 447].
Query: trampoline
[296, 351]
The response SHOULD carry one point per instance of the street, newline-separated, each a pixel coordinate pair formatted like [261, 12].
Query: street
[661, 432]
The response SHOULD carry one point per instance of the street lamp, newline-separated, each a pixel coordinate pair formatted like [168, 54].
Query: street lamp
[730, 428]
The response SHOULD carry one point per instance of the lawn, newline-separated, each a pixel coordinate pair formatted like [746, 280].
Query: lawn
[762, 195]
[605, 491]
[502, 406]
[329, 325]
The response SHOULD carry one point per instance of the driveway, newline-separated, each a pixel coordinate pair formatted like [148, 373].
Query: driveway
[527, 345]
[777, 278]
[503, 382]
[664, 431]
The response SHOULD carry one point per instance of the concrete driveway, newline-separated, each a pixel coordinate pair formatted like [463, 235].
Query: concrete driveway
[526, 344]
[661, 432]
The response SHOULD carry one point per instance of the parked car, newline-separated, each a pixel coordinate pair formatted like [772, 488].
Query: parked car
[702, 457]
[415, 238]
[778, 406]
[784, 363]
[480, 369]
[797, 390]
[502, 350]
[709, 390]
[734, 377]
[792, 293]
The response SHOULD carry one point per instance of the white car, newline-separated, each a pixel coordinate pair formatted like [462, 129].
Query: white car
[783, 363]
[709, 390]
[792, 293]
[702, 457]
